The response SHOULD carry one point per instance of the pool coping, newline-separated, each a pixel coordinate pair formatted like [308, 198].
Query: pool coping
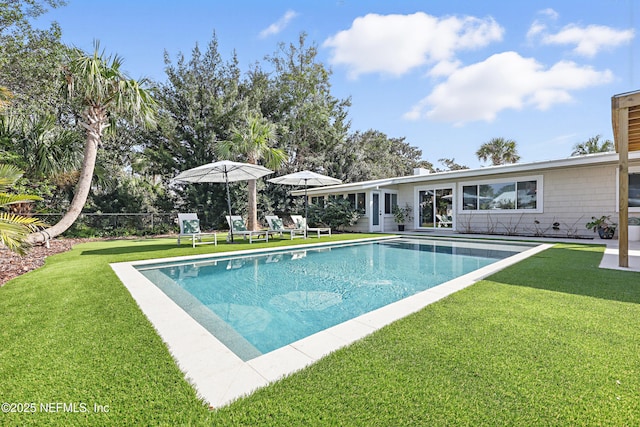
[220, 376]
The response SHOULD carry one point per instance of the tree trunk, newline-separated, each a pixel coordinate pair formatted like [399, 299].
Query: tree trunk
[252, 214]
[98, 122]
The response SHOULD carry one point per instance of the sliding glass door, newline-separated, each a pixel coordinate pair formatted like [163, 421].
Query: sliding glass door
[435, 208]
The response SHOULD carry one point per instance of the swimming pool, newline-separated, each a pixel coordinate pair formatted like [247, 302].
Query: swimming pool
[220, 376]
[257, 303]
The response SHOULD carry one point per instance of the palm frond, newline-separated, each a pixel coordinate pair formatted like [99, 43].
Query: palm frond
[14, 229]
[12, 199]
[30, 222]
[9, 174]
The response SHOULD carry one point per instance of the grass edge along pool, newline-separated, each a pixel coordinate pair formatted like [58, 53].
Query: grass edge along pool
[255, 303]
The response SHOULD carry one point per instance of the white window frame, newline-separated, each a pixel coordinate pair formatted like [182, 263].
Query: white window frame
[323, 197]
[432, 187]
[384, 201]
[513, 179]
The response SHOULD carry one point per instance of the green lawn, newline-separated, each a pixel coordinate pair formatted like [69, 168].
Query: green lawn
[552, 340]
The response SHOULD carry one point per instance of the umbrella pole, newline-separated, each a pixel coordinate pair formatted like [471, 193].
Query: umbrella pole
[306, 223]
[226, 180]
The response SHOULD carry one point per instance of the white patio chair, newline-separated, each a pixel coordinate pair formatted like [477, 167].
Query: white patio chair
[236, 223]
[302, 223]
[444, 221]
[190, 226]
[276, 226]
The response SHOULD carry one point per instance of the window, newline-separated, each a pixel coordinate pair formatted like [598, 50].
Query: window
[390, 200]
[358, 202]
[361, 204]
[634, 190]
[318, 201]
[352, 199]
[435, 205]
[470, 197]
[501, 195]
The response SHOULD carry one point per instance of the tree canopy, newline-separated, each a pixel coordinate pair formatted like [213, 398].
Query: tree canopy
[499, 150]
[592, 145]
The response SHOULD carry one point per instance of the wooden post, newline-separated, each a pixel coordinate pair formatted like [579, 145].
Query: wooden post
[623, 187]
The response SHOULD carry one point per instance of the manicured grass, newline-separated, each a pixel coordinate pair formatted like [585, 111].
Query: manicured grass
[70, 333]
[552, 340]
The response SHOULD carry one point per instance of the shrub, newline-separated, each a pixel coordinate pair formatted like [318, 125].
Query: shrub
[337, 214]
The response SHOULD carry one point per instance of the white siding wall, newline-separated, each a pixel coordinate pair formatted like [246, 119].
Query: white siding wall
[362, 226]
[390, 225]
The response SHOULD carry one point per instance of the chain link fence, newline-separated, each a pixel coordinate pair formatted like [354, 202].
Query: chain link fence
[117, 224]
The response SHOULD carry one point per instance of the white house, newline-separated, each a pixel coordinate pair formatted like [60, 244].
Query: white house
[550, 198]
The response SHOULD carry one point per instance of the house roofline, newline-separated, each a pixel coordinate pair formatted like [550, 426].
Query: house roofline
[575, 161]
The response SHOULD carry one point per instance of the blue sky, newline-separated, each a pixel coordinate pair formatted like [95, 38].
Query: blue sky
[446, 75]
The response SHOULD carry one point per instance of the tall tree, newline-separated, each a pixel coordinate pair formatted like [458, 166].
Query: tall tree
[312, 120]
[500, 150]
[96, 84]
[35, 126]
[14, 228]
[255, 141]
[30, 57]
[592, 145]
[373, 155]
[201, 102]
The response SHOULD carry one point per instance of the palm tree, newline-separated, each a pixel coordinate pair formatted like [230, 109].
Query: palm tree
[592, 145]
[253, 142]
[41, 149]
[45, 149]
[105, 93]
[499, 150]
[15, 228]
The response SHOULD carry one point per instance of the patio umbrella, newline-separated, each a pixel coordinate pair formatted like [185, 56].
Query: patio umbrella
[223, 171]
[305, 178]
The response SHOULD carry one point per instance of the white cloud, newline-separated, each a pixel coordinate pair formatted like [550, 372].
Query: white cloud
[396, 44]
[279, 25]
[538, 27]
[504, 81]
[550, 13]
[589, 40]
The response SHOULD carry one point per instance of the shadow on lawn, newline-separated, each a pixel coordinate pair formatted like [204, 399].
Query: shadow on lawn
[573, 269]
[121, 250]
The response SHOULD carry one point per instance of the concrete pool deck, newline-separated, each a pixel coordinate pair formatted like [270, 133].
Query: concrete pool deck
[220, 377]
[609, 259]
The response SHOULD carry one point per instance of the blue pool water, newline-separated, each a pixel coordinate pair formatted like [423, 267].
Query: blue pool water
[258, 303]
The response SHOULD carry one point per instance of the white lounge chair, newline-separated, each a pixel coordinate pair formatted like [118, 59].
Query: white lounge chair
[444, 221]
[236, 223]
[276, 226]
[302, 223]
[190, 226]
